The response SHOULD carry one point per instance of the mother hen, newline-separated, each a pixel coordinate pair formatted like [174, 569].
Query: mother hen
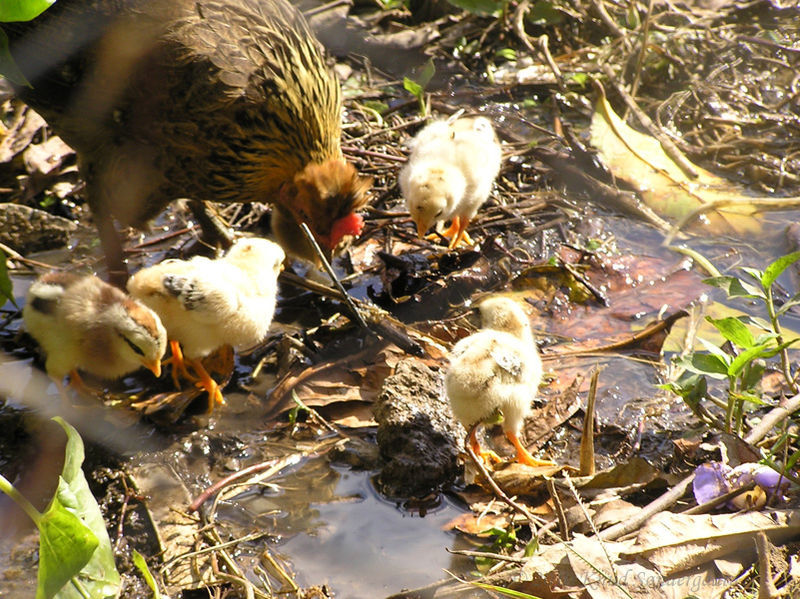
[213, 100]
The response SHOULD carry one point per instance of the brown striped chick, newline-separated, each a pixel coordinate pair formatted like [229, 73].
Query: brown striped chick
[450, 173]
[83, 323]
[205, 304]
[496, 370]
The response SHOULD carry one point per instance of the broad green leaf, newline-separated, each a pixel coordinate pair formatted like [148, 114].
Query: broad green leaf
[708, 364]
[141, 565]
[22, 10]
[735, 287]
[65, 546]
[640, 161]
[6, 288]
[9, 68]
[733, 330]
[75, 532]
[775, 269]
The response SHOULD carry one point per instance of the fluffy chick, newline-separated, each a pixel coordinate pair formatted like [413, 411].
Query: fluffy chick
[205, 304]
[495, 370]
[83, 323]
[450, 173]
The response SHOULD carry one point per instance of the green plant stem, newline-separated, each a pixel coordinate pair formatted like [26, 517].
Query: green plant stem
[27, 507]
[776, 326]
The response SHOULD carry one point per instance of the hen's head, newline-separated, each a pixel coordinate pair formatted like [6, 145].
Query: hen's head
[326, 197]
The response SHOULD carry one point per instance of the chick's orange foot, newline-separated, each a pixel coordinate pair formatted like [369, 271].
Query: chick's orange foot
[167, 115]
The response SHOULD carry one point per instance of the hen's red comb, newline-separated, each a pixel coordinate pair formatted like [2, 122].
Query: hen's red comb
[352, 224]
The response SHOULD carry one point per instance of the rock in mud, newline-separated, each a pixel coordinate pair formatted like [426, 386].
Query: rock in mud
[417, 435]
[28, 229]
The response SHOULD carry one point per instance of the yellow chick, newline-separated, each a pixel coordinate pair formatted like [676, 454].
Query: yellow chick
[205, 304]
[496, 370]
[83, 323]
[450, 173]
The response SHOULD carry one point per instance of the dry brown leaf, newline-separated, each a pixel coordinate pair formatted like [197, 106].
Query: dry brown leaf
[634, 472]
[639, 160]
[674, 543]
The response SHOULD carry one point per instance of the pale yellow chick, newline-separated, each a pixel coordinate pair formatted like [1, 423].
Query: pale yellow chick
[496, 370]
[205, 304]
[450, 173]
[83, 323]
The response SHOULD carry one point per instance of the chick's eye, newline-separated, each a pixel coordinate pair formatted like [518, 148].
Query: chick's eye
[136, 349]
[439, 213]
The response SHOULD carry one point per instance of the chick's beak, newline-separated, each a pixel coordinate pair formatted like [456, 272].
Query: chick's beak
[422, 228]
[153, 366]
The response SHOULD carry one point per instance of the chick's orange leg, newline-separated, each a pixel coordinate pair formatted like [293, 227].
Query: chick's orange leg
[487, 455]
[523, 456]
[208, 384]
[461, 234]
[448, 233]
[178, 364]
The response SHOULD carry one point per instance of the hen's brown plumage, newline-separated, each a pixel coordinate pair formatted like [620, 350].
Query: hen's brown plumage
[223, 101]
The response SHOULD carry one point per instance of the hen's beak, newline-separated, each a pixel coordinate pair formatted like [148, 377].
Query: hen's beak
[153, 366]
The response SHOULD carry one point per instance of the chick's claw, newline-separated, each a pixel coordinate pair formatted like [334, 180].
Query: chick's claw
[523, 456]
[209, 385]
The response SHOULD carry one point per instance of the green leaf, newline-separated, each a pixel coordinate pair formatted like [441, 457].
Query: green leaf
[412, 87]
[66, 545]
[76, 559]
[9, 68]
[733, 330]
[775, 269]
[507, 54]
[6, 288]
[22, 10]
[735, 287]
[702, 363]
[750, 354]
[141, 564]
[377, 106]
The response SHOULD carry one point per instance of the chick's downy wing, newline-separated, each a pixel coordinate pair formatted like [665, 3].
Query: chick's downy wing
[208, 293]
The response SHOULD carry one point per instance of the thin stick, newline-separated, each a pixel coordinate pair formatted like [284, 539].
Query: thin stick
[276, 465]
[329, 269]
[642, 50]
[495, 487]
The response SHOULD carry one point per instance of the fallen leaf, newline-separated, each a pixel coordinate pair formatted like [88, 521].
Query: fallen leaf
[640, 161]
[674, 543]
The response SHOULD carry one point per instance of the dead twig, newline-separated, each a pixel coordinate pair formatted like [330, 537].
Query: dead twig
[495, 487]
